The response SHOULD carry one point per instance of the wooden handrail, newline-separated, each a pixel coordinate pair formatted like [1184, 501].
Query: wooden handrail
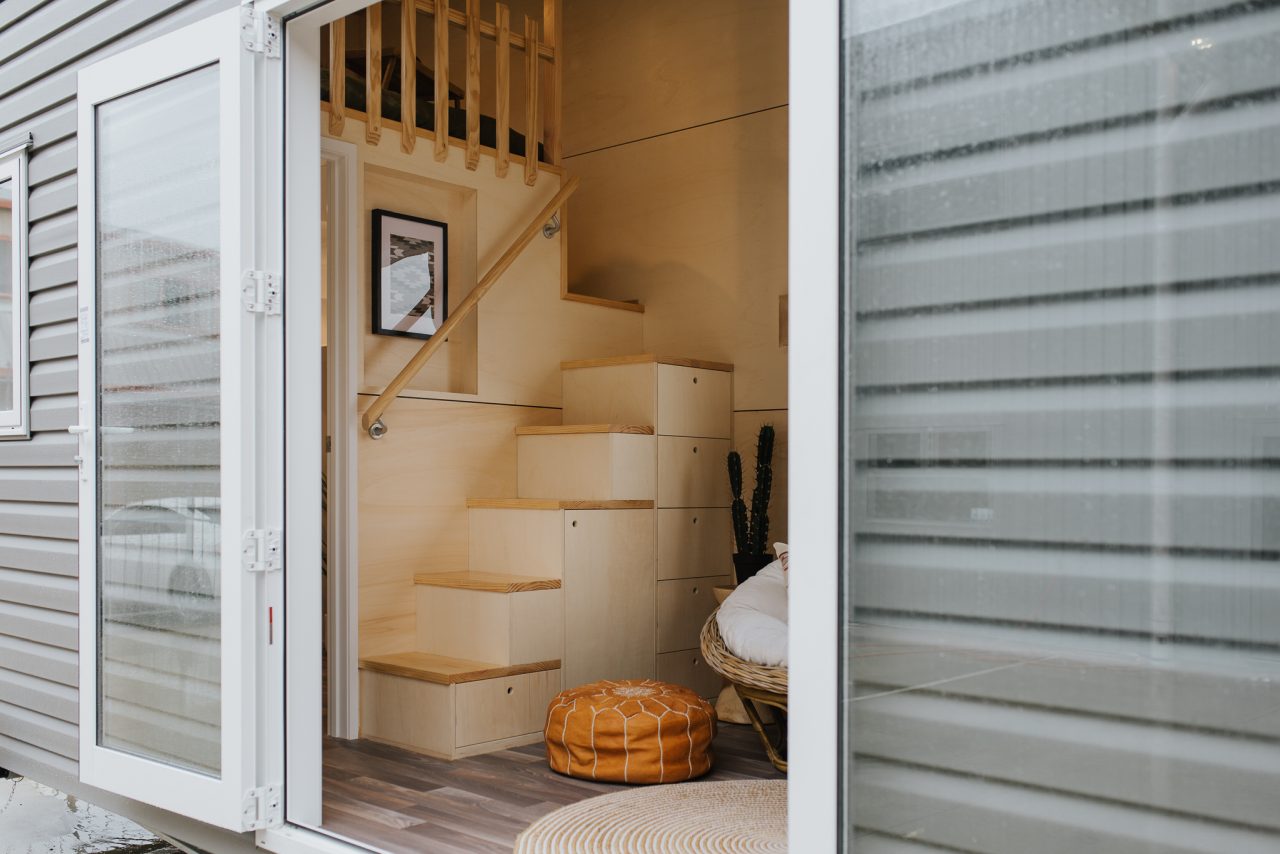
[373, 415]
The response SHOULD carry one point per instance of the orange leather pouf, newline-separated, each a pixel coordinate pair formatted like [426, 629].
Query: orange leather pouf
[630, 731]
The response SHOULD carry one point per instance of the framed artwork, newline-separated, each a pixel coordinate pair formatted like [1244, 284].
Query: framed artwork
[410, 274]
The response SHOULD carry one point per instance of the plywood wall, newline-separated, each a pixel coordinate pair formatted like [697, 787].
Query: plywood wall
[414, 484]
[452, 433]
[511, 352]
[676, 121]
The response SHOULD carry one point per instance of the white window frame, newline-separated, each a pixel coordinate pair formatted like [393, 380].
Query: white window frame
[251, 436]
[15, 422]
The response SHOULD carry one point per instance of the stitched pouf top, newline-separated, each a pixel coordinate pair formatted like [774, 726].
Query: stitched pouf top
[630, 731]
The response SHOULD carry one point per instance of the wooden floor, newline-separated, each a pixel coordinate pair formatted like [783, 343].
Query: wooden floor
[398, 801]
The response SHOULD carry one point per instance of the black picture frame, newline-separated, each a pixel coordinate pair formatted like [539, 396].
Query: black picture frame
[401, 305]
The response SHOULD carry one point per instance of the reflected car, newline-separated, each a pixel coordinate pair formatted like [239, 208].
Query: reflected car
[160, 562]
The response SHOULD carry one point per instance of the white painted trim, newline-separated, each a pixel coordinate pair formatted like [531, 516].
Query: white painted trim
[814, 749]
[292, 839]
[344, 369]
[218, 801]
[302, 395]
[15, 422]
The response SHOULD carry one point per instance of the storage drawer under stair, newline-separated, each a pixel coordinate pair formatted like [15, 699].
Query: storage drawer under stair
[449, 707]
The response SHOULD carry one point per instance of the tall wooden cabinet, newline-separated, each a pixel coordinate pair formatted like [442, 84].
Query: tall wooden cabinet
[690, 405]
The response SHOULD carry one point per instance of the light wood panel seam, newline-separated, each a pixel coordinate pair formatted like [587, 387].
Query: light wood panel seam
[708, 123]
[574, 429]
[644, 359]
[557, 504]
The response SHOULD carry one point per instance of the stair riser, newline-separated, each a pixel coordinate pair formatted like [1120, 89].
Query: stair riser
[498, 628]
[530, 542]
[595, 466]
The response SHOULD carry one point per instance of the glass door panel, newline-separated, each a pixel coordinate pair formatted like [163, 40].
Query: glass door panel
[173, 627]
[1062, 272]
[159, 475]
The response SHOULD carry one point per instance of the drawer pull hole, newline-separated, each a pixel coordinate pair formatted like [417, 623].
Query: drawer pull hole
[695, 449]
[574, 523]
[509, 690]
[695, 662]
[695, 380]
[695, 520]
[695, 591]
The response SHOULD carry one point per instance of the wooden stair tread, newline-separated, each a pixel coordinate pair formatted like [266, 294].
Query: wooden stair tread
[557, 504]
[491, 582]
[442, 670]
[644, 359]
[604, 302]
[574, 429]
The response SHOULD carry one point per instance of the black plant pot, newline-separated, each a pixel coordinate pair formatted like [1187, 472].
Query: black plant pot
[745, 566]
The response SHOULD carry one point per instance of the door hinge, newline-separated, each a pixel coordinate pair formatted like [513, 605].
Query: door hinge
[262, 808]
[261, 550]
[261, 292]
[259, 32]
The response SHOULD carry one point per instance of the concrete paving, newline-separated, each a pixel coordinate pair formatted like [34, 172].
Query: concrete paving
[35, 819]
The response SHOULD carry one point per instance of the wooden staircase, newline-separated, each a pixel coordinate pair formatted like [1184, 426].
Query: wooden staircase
[602, 565]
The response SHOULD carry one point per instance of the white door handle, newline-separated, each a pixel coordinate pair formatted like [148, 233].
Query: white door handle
[78, 429]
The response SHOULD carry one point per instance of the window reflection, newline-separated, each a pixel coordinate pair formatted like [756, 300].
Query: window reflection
[1063, 273]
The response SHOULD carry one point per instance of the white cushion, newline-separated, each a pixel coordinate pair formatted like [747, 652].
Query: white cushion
[753, 619]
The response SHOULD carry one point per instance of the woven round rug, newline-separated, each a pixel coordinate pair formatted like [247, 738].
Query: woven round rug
[726, 817]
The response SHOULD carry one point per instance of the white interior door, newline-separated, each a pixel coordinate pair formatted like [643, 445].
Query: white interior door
[178, 557]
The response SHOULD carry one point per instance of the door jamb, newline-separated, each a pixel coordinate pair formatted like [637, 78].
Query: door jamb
[343, 363]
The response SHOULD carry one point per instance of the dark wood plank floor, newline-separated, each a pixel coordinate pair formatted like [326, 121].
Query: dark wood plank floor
[399, 801]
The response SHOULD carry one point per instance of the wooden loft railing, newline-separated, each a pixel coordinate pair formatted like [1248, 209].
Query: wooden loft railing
[542, 90]
[371, 421]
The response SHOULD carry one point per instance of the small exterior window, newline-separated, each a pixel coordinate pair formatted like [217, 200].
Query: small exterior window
[14, 369]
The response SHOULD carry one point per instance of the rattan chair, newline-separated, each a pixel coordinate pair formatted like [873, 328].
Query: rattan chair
[754, 684]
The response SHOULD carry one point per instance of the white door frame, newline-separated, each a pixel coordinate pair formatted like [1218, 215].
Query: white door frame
[248, 437]
[344, 367]
[303, 284]
[816, 745]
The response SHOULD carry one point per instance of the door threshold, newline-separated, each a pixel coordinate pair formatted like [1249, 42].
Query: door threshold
[298, 839]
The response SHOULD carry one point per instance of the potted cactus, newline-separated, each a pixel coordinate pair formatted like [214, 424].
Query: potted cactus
[751, 533]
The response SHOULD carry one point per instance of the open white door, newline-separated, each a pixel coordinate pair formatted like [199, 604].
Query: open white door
[179, 363]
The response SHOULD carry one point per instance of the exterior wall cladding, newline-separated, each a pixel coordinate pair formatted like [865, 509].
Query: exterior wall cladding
[43, 44]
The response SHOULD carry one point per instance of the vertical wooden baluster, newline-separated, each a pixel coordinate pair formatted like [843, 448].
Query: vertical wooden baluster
[552, 79]
[373, 75]
[503, 22]
[408, 75]
[533, 129]
[441, 73]
[473, 84]
[337, 76]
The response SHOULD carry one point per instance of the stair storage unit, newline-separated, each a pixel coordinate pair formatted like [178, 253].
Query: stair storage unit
[496, 647]
[602, 567]
[603, 552]
[689, 402]
[451, 707]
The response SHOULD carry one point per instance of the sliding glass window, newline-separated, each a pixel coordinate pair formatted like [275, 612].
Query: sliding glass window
[14, 405]
[1062, 425]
